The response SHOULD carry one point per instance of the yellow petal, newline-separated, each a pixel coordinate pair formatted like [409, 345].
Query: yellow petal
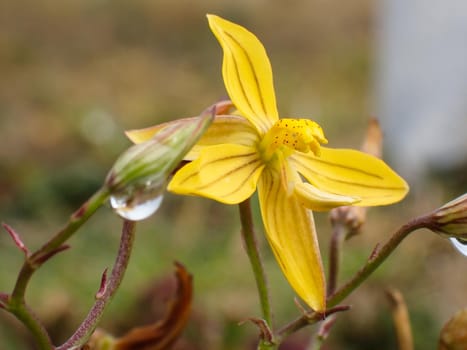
[227, 173]
[247, 73]
[315, 199]
[224, 129]
[351, 173]
[291, 233]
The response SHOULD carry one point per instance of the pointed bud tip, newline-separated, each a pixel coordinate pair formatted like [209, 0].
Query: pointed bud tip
[103, 286]
[16, 238]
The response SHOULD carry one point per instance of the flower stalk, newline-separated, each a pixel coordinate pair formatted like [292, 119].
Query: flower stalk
[306, 320]
[35, 260]
[377, 259]
[25, 314]
[15, 303]
[337, 237]
[251, 247]
[87, 327]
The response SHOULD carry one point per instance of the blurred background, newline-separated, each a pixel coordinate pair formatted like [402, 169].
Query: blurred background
[76, 74]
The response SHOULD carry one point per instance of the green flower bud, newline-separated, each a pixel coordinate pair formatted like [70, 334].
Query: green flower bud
[137, 179]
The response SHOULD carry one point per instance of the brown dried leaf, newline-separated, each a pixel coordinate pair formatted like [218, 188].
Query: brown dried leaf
[163, 334]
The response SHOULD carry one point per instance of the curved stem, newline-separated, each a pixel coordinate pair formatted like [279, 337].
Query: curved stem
[306, 320]
[33, 262]
[378, 256]
[16, 302]
[87, 327]
[35, 326]
[251, 247]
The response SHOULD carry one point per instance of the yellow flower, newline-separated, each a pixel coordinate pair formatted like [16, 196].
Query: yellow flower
[257, 150]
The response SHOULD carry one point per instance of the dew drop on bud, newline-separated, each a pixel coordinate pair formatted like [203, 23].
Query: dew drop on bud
[460, 245]
[139, 205]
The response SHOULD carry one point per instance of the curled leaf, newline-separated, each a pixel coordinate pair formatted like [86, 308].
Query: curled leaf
[163, 334]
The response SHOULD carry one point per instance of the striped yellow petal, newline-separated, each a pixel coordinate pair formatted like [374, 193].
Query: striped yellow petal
[247, 73]
[224, 129]
[351, 173]
[315, 199]
[291, 233]
[227, 173]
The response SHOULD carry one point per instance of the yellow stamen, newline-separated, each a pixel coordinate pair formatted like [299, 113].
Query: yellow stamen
[302, 135]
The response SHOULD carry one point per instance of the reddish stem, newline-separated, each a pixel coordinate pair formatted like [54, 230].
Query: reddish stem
[87, 327]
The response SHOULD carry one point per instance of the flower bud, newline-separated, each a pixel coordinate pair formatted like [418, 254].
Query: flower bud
[451, 219]
[137, 179]
[352, 218]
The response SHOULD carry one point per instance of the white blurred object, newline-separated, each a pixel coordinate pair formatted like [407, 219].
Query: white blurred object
[422, 83]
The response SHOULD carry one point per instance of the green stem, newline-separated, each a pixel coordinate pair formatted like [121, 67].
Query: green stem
[376, 259]
[30, 320]
[251, 246]
[33, 262]
[16, 303]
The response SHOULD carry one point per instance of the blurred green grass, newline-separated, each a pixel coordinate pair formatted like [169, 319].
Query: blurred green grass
[76, 74]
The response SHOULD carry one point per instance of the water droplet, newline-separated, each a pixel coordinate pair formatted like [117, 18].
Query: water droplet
[460, 245]
[138, 205]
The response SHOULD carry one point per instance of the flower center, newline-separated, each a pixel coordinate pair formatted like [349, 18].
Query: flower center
[286, 134]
